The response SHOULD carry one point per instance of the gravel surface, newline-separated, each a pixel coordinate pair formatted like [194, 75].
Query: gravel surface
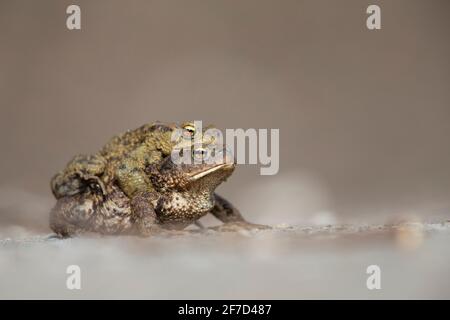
[292, 262]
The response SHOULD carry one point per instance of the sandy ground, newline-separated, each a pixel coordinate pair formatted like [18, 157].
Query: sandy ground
[286, 262]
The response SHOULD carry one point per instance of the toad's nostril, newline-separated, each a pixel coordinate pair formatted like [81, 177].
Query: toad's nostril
[200, 152]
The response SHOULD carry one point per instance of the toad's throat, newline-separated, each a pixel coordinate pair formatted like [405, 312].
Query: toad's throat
[184, 207]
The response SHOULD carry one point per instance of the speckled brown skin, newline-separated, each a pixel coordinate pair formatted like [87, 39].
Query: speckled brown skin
[121, 161]
[128, 152]
[182, 194]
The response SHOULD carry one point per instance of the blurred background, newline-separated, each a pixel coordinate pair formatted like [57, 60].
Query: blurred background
[363, 115]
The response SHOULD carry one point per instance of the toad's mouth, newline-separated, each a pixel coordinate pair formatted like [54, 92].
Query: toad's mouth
[225, 167]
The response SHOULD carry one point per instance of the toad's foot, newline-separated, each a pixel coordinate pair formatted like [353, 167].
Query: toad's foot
[239, 226]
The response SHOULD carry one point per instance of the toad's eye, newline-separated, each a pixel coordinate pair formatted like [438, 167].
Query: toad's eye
[190, 128]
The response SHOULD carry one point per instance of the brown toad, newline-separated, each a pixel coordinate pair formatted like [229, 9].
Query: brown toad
[182, 193]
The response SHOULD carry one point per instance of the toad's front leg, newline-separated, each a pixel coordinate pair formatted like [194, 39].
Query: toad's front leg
[144, 215]
[231, 217]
